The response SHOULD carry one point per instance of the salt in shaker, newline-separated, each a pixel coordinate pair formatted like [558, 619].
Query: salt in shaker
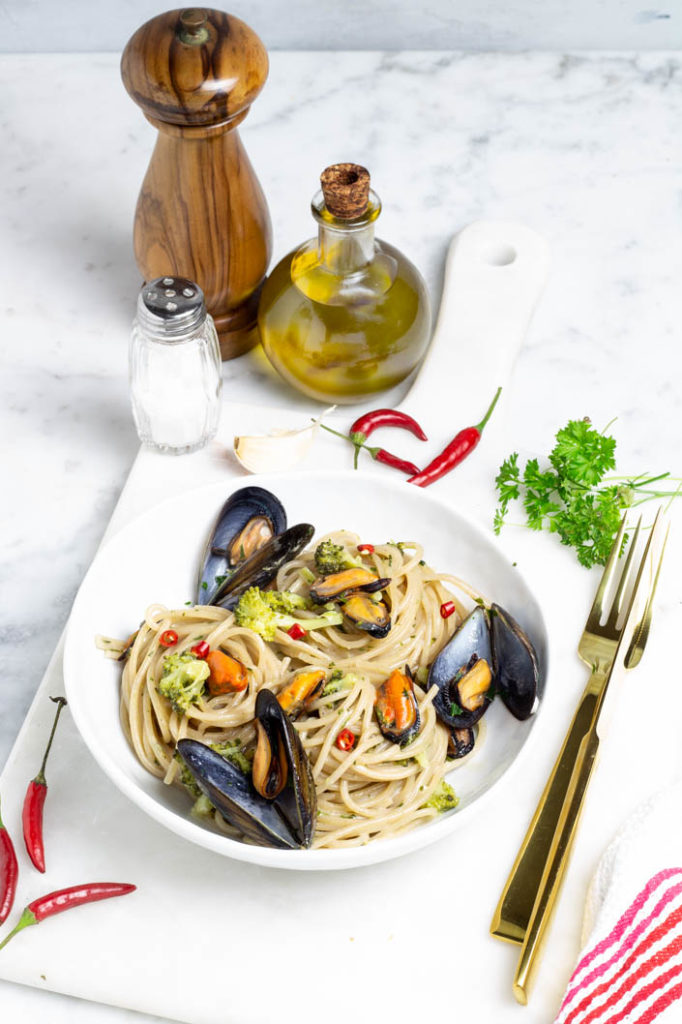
[174, 367]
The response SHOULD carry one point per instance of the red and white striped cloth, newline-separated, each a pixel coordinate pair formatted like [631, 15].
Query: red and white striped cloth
[630, 971]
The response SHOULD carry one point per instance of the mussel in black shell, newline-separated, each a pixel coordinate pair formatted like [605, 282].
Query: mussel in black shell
[460, 743]
[249, 519]
[464, 672]
[277, 804]
[296, 800]
[263, 565]
[517, 664]
[396, 708]
[371, 616]
[233, 794]
[300, 692]
[339, 583]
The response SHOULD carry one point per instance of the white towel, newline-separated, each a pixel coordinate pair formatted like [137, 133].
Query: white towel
[630, 970]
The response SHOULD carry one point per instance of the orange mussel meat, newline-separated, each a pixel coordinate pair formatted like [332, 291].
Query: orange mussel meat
[396, 708]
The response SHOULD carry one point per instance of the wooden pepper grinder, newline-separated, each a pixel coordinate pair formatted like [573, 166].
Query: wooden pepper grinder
[201, 213]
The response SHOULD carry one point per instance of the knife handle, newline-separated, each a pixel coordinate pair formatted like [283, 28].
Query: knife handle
[515, 908]
[555, 868]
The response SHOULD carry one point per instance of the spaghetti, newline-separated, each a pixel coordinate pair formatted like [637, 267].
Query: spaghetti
[375, 790]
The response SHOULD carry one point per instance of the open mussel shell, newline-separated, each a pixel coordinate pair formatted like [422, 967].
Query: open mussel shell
[249, 519]
[453, 666]
[262, 567]
[339, 583]
[297, 802]
[396, 708]
[517, 664]
[232, 793]
[460, 743]
[372, 617]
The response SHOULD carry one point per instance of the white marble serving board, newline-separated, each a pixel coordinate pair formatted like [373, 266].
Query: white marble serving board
[207, 940]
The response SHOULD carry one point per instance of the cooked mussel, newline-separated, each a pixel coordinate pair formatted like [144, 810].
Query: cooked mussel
[270, 769]
[301, 691]
[371, 616]
[296, 801]
[396, 708]
[517, 664]
[331, 587]
[263, 565]
[460, 743]
[233, 794]
[464, 672]
[250, 518]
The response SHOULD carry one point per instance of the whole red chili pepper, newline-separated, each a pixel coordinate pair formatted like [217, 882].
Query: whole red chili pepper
[370, 421]
[378, 454]
[66, 899]
[9, 872]
[34, 801]
[389, 459]
[461, 445]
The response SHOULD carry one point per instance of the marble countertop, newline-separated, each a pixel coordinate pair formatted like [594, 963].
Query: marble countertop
[583, 148]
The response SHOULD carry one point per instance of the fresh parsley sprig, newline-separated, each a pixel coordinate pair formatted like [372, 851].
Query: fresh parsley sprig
[572, 496]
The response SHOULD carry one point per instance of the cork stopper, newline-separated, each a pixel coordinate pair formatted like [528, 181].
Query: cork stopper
[346, 190]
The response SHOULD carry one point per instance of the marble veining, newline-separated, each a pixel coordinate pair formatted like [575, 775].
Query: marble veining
[582, 147]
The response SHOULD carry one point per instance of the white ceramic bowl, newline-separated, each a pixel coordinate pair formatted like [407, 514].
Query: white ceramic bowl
[154, 559]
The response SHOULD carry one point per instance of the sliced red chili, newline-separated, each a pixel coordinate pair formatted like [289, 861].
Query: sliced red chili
[201, 650]
[346, 740]
[168, 638]
[447, 609]
[296, 632]
[366, 549]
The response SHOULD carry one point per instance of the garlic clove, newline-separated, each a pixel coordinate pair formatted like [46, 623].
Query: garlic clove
[278, 450]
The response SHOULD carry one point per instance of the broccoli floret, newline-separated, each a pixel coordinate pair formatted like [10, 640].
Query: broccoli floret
[338, 681]
[182, 681]
[285, 601]
[257, 610]
[443, 798]
[231, 751]
[202, 806]
[331, 558]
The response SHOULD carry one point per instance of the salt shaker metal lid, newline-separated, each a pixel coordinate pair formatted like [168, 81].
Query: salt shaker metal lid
[171, 306]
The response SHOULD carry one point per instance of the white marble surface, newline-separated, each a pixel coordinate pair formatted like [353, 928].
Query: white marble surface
[355, 25]
[583, 148]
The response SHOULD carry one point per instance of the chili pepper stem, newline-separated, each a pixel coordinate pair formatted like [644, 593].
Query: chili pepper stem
[61, 701]
[479, 426]
[27, 918]
[356, 444]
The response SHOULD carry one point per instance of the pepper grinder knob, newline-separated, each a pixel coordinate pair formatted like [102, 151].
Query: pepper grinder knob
[201, 213]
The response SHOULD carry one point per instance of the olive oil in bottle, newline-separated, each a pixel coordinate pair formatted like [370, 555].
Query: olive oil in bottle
[345, 315]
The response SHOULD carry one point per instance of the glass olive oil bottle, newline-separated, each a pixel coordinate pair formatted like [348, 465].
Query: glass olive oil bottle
[345, 315]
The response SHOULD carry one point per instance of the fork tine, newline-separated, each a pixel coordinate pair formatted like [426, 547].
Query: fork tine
[641, 634]
[597, 608]
[619, 596]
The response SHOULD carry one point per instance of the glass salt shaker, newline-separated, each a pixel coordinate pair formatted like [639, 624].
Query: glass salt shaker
[174, 367]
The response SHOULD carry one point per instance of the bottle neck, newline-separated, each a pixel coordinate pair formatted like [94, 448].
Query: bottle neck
[344, 250]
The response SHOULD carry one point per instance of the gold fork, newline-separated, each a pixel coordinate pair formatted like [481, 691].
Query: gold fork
[529, 895]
